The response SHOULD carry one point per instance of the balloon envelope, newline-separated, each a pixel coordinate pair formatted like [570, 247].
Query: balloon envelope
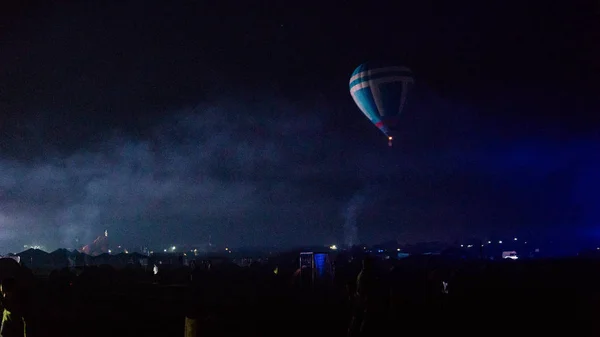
[380, 90]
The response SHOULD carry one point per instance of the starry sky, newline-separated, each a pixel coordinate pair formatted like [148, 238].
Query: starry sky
[167, 122]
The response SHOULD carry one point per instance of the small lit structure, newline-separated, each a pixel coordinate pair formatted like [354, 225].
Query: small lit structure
[314, 266]
[512, 255]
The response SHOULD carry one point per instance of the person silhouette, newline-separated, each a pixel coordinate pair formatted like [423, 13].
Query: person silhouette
[13, 320]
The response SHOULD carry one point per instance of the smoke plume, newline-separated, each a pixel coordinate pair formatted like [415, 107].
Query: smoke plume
[350, 213]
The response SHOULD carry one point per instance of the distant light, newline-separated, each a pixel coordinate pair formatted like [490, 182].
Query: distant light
[333, 247]
[126, 251]
[390, 138]
[500, 241]
[469, 246]
[173, 248]
[489, 242]
[515, 239]
[109, 251]
[525, 242]
[165, 250]
[398, 249]
[226, 248]
[462, 245]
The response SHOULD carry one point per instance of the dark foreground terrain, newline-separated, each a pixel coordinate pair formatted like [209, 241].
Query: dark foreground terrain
[536, 296]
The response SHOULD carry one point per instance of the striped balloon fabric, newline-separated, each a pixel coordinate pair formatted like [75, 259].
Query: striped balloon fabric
[380, 91]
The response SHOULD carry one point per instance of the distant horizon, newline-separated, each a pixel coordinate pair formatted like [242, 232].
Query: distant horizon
[562, 243]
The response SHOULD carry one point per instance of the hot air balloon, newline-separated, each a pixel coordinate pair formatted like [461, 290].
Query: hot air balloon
[380, 91]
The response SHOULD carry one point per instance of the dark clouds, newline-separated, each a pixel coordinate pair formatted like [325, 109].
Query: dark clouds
[267, 173]
[208, 170]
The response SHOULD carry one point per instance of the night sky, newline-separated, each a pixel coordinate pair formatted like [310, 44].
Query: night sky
[166, 122]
